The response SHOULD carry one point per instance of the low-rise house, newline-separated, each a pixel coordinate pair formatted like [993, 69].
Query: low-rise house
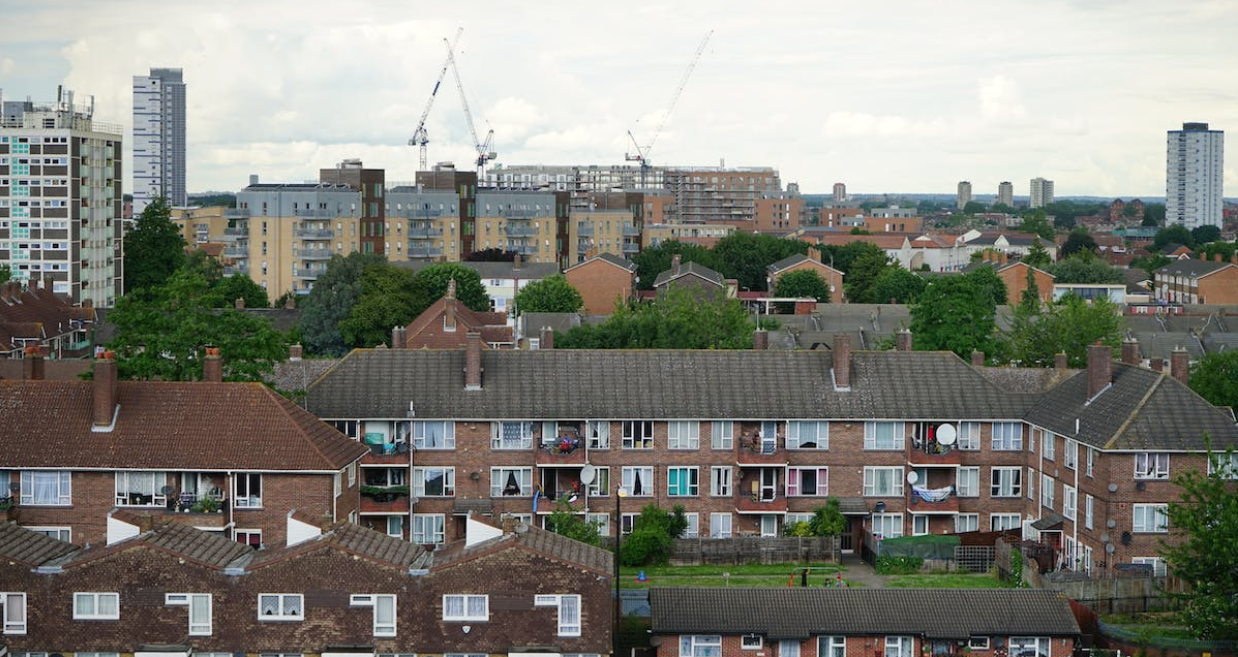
[810, 262]
[696, 278]
[834, 622]
[603, 281]
[446, 322]
[36, 317]
[1189, 281]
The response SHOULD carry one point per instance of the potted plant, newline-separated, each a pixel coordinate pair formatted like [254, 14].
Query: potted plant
[206, 505]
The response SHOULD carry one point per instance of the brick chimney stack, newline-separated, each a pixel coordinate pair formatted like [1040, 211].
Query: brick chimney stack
[547, 339]
[103, 407]
[842, 360]
[1100, 369]
[240, 303]
[517, 261]
[472, 361]
[398, 339]
[212, 366]
[294, 353]
[977, 358]
[760, 340]
[32, 364]
[902, 340]
[814, 254]
[1130, 351]
[1180, 364]
[675, 260]
[1060, 361]
[1157, 364]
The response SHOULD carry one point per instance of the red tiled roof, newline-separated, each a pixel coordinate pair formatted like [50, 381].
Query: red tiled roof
[167, 425]
[492, 325]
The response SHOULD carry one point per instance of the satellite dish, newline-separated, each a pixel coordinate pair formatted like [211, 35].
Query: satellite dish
[913, 477]
[946, 435]
[587, 473]
[166, 491]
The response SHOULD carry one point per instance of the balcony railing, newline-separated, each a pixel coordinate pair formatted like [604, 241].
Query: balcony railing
[631, 231]
[236, 213]
[520, 231]
[755, 450]
[585, 230]
[236, 252]
[310, 274]
[566, 451]
[312, 254]
[629, 247]
[234, 270]
[314, 233]
[417, 251]
[418, 213]
[424, 233]
[932, 500]
[236, 232]
[768, 503]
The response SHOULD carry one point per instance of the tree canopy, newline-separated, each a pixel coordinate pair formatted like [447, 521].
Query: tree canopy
[1084, 269]
[163, 331]
[154, 248]
[1204, 524]
[956, 313]
[1215, 378]
[1205, 234]
[677, 319]
[1078, 240]
[240, 286]
[746, 257]
[1037, 256]
[1173, 234]
[1038, 225]
[552, 294]
[863, 272]
[1037, 336]
[330, 301]
[469, 289]
[897, 285]
[656, 259]
[389, 297]
[803, 284]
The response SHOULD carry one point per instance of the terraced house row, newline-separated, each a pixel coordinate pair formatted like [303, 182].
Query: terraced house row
[910, 442]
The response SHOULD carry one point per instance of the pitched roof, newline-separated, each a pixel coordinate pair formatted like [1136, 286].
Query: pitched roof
[205, 548]
[492, 326]
[798, 613]
[30, 548]
[36, 314]
[793, 260]
[356, 540]
[1142, 409]
[689, 268]
[622, 263]
[167, 425]
[570, 383]
[1192, 268]
[535, 540]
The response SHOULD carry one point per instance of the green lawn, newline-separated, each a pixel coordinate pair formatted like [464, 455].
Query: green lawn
[945, 581]
[738, 576]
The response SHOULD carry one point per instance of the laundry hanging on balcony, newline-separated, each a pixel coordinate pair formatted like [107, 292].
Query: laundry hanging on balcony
[932, 494]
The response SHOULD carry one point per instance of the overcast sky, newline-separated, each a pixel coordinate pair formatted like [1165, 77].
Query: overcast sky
[890, 96]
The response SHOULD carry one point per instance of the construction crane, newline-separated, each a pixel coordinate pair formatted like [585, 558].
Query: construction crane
[642, 154]
[420, 136]
[485, 150]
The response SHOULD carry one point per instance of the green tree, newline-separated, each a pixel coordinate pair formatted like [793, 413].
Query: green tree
[956, 313]
[154, 249]
[389, 297]
[6, 273]
[862, 276]
[973, 207]
[552, 294]
[1174, 234]
[677, 319]
[202, 264]
[652, 533]
[469, 289]
[656, 259]
[1069, 327]
[1079, 240]
[240, 286]
[331, 300]
[162, 333]
[1204, 526]
[1215, 378]
[746, 257]
[987, 278]
[897, 285]
[828, 519]
[1150, 264]
[1038, 225]
[1085, 269]
[1205, 234]
[1153, 214]
[1037, 256]
[842, 257]
[566, 522]
[491, 255]
[803, 284]
[1030, 299]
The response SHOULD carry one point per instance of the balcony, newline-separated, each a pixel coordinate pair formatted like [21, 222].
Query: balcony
[232, 270]
[234, 234]
[313, 233]
[932, 500]
[319, 213]
[631, 231]
[236, 213]
[523, 249]
[419, 251]
[520, 231]
[307, 274]
[756, 451]
[768, 503]
[566, 451]
[583, 246]
[392, 499]
[933, 455]
[424, 233]
[309, 254]
[418, 213]
[585, 230]
[236, 252]
[629, 247]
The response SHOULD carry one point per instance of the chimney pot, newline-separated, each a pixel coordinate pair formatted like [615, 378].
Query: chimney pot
[675, 262]
[472, 361]
[1130, 351]
[842, 360]
[212, 366]
[547, 338]
[760, 340]
[103, 407]
[1180, 365]
[1100, 368]
[32, 364]
[397, 338]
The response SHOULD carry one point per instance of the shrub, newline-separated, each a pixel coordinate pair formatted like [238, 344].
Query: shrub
[899, 565]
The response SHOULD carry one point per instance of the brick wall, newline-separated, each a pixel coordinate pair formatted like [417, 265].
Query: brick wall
[601, 285]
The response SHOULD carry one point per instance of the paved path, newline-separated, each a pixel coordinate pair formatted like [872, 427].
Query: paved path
[859, 573]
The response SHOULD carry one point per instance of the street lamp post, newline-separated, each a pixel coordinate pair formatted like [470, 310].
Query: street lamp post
[620, 493]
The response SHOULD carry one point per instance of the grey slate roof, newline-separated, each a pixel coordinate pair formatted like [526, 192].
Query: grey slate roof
[791, 261]
[800, 613]
[653, 384]
[689, 268]
[206, 548]
[1192, 267]
[1141, 410]
[30, 548]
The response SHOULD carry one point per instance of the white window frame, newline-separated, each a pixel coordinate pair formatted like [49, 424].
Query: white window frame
[1090, 453]
[14, 612]
[1019, 643]
[428, 529]
[700, 645]
[1048, 488]
[968, 482]
[1070, 454]
[283, 603]
[978, 643]
[1004, 521]
[124, 489]
[600, 486]
[421, 476]
[59, 533]
[693, 530]
[427, 440]
[1070, 502]
[197, 603]
[598, 434]
[875, 440]
[814, 432]
[899, 646]
[1157, 563]
[721, 479]
[64, 487]
[468, 611]
[380, 603]
[788, 648]
[628, 478]
[722, 435]
[966, 522]
[716, 522]
[1152, 466]
[1088, 504]
[96, 601]
[871, 481]
[832, 646]
[1149, 518]
[1224, 463]
[247, 501]
[569, 612]
[751, 642]
[500, 442]
[631, 440]
[1006, 436]
[683, 434]
[692, 488]
[1048, 446]
[499, 476]
[795, 479]
[968, 439]
[887, 521]
[601, 520]
[1001, 485]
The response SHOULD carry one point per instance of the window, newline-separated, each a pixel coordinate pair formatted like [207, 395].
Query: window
[248, 489]
[1007, 436]
[1091, 454]
[978, 643]
[722, 435]
[511, 435]
[751, 642]
[1047, 488]
[1151, 465]
[14, 612]
[637, 434]
[1006, 482]
[968, 484]
[682, 482]
[1071, 454]
[693, 530]
[683, 435]
[638, 480]
[1048, 444]
[569, 611]
[883, 482]
[1157, 563]
[428, 528]
[808, 435]
[888, 525]
[599, 434]
[1003, 521]
[1226, 464]
[251, 537]
[1087, 511]
[788, 649]
[384, 612]
[1029, 646]
[899, 646]
[719, 525]
[601, 520]
[281, 607]
[352, 474]
[46, 488]
[700, 645]
[808, 482]
[199, 610]
[59, 533]
[1031, 484]
[720, 481]
[1070, 500]
[434, 482]
[884, 436]
[919, 524]
[466, 607]
[1151, 518]
[832, 646]
[969, 436]
[140, 488]
[966, 522]
[96, 606]
[511, 482]
[434, 435]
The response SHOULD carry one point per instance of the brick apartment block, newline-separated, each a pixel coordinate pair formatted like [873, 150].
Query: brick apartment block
[747, 441]
[231, 458]
[344, 589]
[1188, 281]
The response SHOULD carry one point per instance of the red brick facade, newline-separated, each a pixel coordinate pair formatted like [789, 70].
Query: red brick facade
[601, 284]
